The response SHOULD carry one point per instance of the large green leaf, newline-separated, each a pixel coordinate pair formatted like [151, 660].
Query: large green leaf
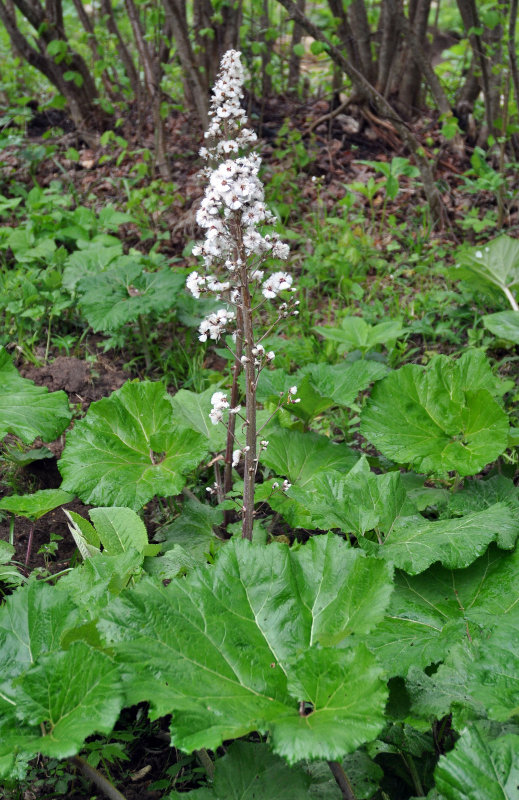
[36, 505]
[431, 612]
[493, 676]
[248, 772]
[28, 410]
[32, 623]
[73, 694]
[504, 324]
[414, 544]
[439, 418]
[445, 691]
[479, 768]
[124, 292]
[192, 410]
[94, 583]
[497, 263]
[363, 773]
[476, 495]
[119, 529]
[343, 382]
[300, 456]
[239, 646]
[191, 534]
[129, 448]
[90, 261]
[357, 502]
[357, 334]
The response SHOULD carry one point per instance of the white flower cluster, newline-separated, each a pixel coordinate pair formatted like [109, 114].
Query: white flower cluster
[219, 403]
[215, 324]
[228, 117]
[233, 205]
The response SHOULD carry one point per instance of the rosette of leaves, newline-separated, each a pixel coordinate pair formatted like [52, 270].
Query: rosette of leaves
[439, 418]
[268, 639]
[129, 448]
[355, 333]
[28, 410]
[126, 291]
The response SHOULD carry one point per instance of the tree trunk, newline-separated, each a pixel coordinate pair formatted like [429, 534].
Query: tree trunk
[388, 36]
[413, 58]
[152, 77]
[360, 28]
[124, 53]
[366, 90]
[197, 88]
[294, 64]
[471, 22]
[81, 100]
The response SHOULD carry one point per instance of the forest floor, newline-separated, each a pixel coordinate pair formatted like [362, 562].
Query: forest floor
[337, 149]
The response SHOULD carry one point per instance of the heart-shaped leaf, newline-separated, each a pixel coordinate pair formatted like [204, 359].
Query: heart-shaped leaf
[129, 448]
[122, 293]
[439, 418]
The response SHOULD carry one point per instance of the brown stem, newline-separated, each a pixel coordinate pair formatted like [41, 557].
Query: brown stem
[231, 427]
[102, 783]
[206, 761]
[342, 780]
[249, 475]
[144, 342]
[29, 543]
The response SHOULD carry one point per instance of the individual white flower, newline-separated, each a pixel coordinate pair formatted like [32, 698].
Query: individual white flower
[219, 400]
[293, 390]
[276, 283]
[280, 250]
[236, 455]
[271, 355]
[215, 324]
[195, 283]
[217, 286]
[219, 403]
[286, 485]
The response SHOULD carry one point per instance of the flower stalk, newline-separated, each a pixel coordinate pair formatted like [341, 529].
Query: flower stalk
[235, 252]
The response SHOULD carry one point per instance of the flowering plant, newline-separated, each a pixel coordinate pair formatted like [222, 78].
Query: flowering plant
[234, 254]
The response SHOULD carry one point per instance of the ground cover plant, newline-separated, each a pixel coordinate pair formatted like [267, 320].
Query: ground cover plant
[259, 504]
